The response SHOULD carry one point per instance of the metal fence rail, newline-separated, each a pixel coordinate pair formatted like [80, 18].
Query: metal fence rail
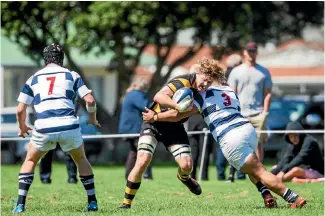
[205, 132]
[116, 136]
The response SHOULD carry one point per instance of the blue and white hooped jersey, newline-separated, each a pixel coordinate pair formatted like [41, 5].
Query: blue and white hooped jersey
[53, 90]
[220, 108]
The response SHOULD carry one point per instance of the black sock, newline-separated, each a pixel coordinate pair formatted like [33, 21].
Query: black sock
[262, 189]
[130, 191]
[89, 185]
[290, 196]
[25, 181]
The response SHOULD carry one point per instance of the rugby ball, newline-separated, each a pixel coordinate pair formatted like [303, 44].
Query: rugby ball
[183, 96]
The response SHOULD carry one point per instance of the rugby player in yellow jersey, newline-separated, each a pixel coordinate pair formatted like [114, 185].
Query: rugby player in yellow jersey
[171, 134]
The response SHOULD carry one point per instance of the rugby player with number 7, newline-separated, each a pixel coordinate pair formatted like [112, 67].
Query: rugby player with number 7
[53, 90]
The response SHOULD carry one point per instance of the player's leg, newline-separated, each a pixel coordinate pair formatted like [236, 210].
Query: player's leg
[39, 145]
[148, 172]
[251, 165]
[269, 200]
[182, 155]
[72, 143]
[146, 147]
[255, 168]
[236, 145]
[173, 134]
[86, 175]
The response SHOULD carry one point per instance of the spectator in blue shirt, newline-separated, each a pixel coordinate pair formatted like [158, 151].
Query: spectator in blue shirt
[134, 103]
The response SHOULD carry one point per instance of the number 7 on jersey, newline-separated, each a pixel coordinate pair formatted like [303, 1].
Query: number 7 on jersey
[52, 80]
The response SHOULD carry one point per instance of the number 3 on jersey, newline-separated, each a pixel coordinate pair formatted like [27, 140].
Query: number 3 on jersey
[227, 101]
[52, 80]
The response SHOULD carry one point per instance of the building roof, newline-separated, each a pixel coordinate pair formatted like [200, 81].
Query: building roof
[292, 58]
[12, 55]
[297, 71]
[178, 51]
[294, 53]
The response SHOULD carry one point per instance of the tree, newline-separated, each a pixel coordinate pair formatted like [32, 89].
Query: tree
[34, 25]
[118, 26]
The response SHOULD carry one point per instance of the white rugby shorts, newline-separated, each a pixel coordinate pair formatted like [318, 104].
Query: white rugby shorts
[238, 144]
[68, 140]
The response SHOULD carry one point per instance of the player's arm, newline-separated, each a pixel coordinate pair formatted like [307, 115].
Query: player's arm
[163, 97]
[21, 119]
[25, 98]
[168, 116]
[91, 109]
[81, 89]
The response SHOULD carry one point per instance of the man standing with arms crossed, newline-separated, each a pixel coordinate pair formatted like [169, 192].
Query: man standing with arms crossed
[253, 84]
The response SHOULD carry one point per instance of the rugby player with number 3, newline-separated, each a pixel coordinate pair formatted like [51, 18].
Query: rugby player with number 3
[171, 134]
[220, 108]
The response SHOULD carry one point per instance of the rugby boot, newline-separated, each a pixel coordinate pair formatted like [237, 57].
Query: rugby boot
[300, 202]
[19, 208]
[270, 201]
[125, 206]
[192, 185]
[92, 206]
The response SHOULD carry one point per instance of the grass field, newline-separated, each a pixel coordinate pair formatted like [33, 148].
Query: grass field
[163, 196]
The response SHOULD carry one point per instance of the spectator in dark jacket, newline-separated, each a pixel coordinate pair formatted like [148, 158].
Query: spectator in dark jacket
[134, 103]
[303, 159]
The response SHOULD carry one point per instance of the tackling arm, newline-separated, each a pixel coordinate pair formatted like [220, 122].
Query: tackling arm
[168, 116]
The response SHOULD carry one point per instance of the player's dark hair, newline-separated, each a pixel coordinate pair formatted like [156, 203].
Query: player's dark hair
[53, 54]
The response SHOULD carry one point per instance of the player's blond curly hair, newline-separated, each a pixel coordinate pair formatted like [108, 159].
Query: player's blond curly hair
[211, 68]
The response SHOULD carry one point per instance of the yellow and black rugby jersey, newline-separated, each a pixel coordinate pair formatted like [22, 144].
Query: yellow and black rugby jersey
[187, 80]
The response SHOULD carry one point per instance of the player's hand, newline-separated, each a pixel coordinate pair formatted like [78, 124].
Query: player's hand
[148, 116]
[93, 122]
[280, 175]
[22, 130]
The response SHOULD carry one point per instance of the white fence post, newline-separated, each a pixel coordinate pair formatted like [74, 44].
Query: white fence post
[205, 142]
